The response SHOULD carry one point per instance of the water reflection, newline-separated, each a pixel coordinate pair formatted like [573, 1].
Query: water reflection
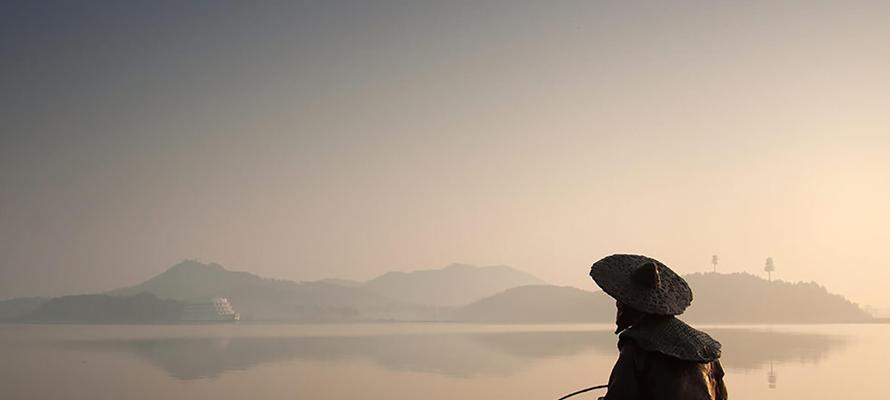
[455, 355]
[753, 349]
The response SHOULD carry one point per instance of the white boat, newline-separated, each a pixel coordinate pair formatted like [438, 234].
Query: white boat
[217, 309]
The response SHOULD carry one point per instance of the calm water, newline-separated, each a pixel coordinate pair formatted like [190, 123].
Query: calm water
[408, 361]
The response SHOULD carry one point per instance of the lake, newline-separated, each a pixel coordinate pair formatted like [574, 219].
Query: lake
[409, 361]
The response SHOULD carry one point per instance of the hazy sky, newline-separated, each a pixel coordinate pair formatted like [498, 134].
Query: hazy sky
[328, 139]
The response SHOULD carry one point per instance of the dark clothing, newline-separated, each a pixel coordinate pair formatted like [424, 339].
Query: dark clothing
[662, 358]
[644, 375]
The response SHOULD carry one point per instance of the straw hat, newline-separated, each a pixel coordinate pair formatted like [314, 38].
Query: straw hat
[642, 283]
[668, 335]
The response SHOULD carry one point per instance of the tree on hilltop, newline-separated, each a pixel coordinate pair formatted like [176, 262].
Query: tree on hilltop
[769, 268]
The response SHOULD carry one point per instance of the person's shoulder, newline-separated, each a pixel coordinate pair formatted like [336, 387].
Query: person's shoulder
[625, 340]
[629, 345]
[632, 353]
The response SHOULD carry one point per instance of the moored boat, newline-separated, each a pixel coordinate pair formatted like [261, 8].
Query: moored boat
[217, 309]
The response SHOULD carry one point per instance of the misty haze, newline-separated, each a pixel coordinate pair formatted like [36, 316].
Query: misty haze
[486, 200]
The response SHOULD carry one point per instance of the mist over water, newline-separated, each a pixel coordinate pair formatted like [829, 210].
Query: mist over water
[402, 199]
[405, 361]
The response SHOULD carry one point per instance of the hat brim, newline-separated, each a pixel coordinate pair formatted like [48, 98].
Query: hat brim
[614, 275]
[670, 336]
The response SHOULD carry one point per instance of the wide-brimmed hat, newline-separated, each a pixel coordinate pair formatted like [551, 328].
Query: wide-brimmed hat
[642, 283]
[668, 335]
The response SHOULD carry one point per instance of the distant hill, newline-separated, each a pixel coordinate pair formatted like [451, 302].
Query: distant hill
[877, 312]
[14, 308]
[341, 282]
[98, 308]
[744, 298]
[392, 296]
[455, 293]
[454, 285]
[718, 298]
[539, 304]
[259, 298]
[192, 280]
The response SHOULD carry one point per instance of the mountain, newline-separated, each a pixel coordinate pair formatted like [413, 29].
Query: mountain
[259, 298]
[718, 298]
[539, 304]
[455, 293]
[454, 285]
[341, 282]
[392, 296]
[191, 280]
[99, 308]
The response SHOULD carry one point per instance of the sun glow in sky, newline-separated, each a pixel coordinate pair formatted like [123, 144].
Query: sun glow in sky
[346, 139]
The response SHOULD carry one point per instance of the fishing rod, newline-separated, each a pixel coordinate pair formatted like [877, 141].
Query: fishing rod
[583, 391]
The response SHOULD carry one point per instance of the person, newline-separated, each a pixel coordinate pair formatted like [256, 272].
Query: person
[660, 357]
